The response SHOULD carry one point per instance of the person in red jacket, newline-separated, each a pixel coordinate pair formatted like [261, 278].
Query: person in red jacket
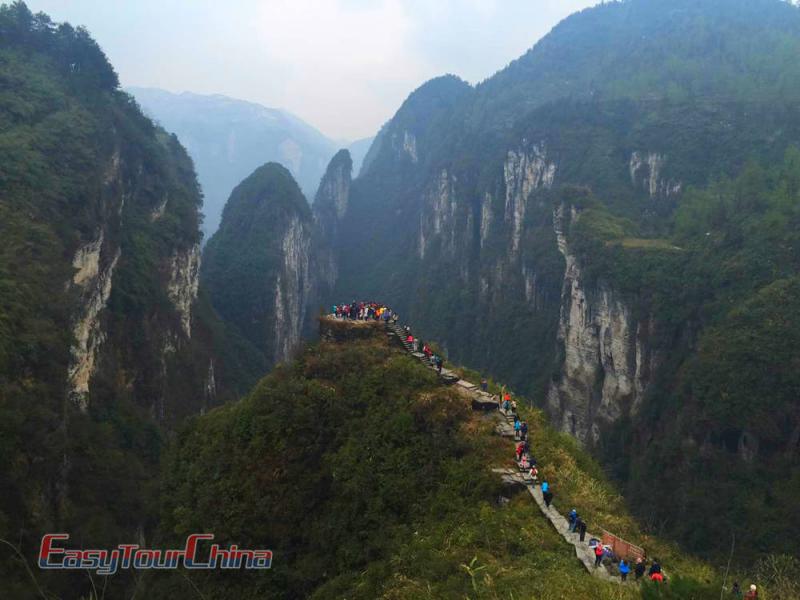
[598, 555]
[753, 593]
[659, 577]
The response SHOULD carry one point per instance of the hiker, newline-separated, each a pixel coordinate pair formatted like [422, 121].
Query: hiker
[639, 568]
[657, 577]
[598, 555]
[426, 350]
[654, 568]
[523, 430]
[545, 487]
[517, 429]
[548, 498]
[439, 363]
[518, 450]
[736, 591]
[534, 473]
[624, 569]
[415, 345]
[506, 397]
[506, 406]
[753, 593]
[525, 447]
[572, 517]
[484, 385]
[581, 527]
[514, 406]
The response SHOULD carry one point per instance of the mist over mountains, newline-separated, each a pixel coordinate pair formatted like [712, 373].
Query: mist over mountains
[229, 138]
[607, 227]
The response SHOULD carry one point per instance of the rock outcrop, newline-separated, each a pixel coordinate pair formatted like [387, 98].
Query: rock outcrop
[524, 172]
[184, 279]
[258, 269]
[94, 283]
[292, 289]
[646, 171]
[330, 207]
[607, 362]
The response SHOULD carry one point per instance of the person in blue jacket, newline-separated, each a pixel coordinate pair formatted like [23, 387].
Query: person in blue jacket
[572, 517]
[624, 569]
[545, 486]
[517, 429]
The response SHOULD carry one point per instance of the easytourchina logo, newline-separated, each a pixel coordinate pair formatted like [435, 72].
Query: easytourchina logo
[133, 556]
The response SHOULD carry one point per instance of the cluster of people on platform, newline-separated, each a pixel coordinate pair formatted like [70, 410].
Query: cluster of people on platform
[363, 311]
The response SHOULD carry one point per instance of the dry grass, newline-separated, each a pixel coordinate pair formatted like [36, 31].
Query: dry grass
[645, 244]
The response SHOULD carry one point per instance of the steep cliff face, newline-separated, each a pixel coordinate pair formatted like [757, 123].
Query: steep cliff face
[184, 279]
[292, 289]
[330, 206]
[647, 171]
[607, 361]
[94, 284]
[99, 221]
[258, 269]
[524, 173]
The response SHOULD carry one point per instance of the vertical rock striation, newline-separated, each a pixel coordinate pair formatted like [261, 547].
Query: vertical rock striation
[524, 172]
[94, 283]
[330, 207]
[292, 289]
[257, 268]
[184, 279]
[607, 362]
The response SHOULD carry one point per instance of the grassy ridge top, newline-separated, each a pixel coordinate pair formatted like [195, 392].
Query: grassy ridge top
[369, 479]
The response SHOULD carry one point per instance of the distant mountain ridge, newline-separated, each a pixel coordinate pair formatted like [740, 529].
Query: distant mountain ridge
[229, 138]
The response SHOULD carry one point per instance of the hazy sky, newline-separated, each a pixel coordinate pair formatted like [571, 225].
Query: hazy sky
[345, 66]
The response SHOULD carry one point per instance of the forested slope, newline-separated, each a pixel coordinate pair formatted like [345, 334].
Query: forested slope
[372, 479]
[103, 342]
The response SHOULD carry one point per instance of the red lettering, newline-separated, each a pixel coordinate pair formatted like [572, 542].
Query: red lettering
[46, 549]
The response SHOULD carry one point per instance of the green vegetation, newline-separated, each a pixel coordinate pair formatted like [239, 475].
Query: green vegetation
[650, 112]
[721, 420]
[244, 259]
[368, 479]
[79, 160]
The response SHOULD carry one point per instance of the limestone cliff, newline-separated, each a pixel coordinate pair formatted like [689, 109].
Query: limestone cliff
[524, 172]
[607, 362]
[292, 288]
[257, 268]
[330, 207]
[129, 245]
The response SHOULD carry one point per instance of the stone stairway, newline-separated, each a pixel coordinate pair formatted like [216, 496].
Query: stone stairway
[505, 428]
[447, 376]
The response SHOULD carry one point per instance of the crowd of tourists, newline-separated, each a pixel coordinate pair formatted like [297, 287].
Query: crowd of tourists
[364, 311]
